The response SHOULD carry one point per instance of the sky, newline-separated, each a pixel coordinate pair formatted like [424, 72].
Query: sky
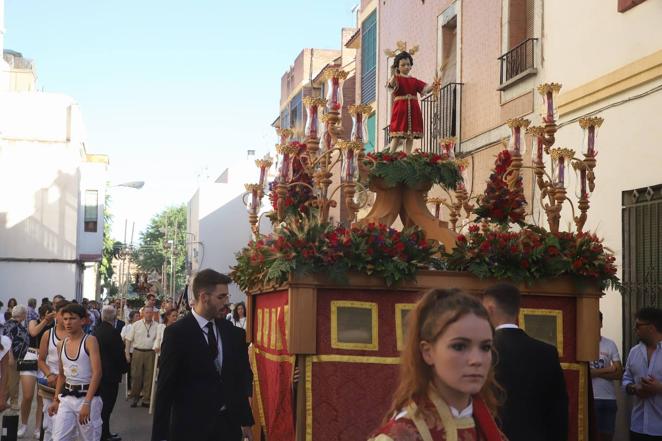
[173, 92]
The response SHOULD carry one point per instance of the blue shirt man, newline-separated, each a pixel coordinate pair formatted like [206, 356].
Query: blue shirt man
[643, 377]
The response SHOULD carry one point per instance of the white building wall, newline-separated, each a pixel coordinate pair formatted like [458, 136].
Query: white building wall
[41, 153]
[218, 218]
[39, 279]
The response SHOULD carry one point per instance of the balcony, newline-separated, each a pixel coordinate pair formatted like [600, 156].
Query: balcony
[518, 63]
[441, 117]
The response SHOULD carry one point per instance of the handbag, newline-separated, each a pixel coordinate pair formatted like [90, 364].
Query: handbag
[26, 365]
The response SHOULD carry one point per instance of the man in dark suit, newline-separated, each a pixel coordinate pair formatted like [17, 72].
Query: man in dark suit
[113, 365]
[118, 324]
[203, 371]
[536, 404]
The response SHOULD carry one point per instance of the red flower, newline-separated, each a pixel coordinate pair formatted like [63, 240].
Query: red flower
[461, 239]
[474, 228]
[577, 264]
[524, 264]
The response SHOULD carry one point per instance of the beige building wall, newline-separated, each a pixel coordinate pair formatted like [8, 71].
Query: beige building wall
[619, 77]
[305, 67]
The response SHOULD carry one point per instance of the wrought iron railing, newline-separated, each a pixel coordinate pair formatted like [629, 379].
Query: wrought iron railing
[441, 116]
[636, 296]
[518, 60]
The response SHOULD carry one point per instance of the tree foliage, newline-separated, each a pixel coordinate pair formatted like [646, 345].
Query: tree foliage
[154, 249]
[109, 251]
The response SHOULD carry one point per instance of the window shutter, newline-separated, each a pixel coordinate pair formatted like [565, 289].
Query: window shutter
[369, 58]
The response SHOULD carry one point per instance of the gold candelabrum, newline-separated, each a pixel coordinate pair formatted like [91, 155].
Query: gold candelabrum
[324, 149]
[553, 191]
[461, 200]
[256, 193]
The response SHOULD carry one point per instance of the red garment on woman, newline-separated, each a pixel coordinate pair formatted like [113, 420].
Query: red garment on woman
[406, 117]
[438, 423]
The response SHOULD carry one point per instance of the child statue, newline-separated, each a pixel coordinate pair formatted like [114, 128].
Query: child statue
[406, 118]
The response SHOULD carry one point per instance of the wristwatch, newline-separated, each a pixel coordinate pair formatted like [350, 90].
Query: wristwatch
[629, 389]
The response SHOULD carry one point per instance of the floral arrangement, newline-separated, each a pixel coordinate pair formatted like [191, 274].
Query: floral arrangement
[298, 195]
[499, 203]
[414, 169]
[532, 253]
[310, 247]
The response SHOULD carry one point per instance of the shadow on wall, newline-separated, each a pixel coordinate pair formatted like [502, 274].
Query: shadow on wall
[49, 231]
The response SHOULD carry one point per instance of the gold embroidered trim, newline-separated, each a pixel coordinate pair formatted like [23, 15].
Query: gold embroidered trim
[582, 416]
[445, 413]
[405, 97]
[406, 134]
[420, 424]
[337, 344]
[556, 313]
[258, 393]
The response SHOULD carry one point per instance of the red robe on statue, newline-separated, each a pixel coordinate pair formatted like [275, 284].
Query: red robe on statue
[406, 117]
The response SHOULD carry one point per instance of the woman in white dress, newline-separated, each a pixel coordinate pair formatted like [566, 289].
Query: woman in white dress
[169, 318]
[238, 315]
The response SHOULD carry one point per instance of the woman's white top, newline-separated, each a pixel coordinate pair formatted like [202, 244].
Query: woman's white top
[53, 358]
[241, 323]
[159, 336]
[77, 370]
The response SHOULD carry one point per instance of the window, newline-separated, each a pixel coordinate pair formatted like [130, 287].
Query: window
[520, 22]
[624, 5]
[449, 51]
[91, 210]
[369, 58]
[519, 42]
[285, 118]
[296, 112]
[642, 255]
[371, 124]
[354, 325]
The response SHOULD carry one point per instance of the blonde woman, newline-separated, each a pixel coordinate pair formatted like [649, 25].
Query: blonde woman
[447, 388]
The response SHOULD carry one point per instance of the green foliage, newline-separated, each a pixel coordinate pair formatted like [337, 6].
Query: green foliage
[532, 253]
[106, 266]
[414, 170]
[307, 246]
[154, 250]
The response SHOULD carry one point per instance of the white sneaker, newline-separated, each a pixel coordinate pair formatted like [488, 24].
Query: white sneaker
[36, 433]
[21, 430]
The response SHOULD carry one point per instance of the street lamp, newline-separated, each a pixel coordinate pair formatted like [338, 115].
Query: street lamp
[131, 184]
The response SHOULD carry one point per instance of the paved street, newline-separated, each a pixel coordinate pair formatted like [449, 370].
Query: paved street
[132, 424]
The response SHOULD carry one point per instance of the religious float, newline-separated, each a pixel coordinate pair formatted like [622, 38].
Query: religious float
[328, 302]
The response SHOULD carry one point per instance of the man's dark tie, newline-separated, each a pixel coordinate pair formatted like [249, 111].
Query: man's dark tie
[211, 338]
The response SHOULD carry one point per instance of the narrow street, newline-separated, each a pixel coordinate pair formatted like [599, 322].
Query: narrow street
[133, 424]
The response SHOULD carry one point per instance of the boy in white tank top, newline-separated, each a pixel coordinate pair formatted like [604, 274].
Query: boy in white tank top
[76, 407]
[49, 363]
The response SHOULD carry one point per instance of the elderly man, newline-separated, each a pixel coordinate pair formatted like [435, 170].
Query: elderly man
[113, 365]
[142, 336]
